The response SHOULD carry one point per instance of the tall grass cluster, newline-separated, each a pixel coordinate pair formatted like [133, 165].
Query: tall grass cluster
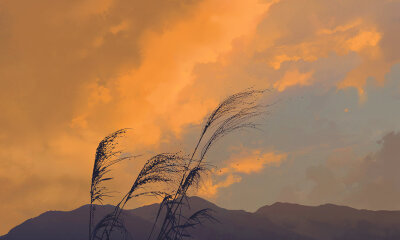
[179, 172]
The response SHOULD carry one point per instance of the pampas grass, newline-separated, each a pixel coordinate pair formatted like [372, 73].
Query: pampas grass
[236, 112]
[106, 156]
[175, 171]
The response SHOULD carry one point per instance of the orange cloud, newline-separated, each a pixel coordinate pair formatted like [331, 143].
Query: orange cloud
[169, 58]
[77, 71]
[245, 162]
[293, 78]
[285, 47]
[209, 189]
[366, 44]
[81, 69]
[255, 162]
[285, 42]
[251, 161]
[363, 40]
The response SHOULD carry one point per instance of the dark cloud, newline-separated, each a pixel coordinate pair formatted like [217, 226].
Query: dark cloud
[372, 182]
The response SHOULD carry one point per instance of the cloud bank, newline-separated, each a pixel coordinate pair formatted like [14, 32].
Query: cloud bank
[74, 71]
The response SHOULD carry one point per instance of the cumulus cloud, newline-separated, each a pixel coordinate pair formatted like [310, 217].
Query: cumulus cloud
[294, 35]
[73, 71]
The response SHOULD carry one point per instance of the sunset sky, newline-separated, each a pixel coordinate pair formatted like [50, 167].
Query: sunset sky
[72, 72]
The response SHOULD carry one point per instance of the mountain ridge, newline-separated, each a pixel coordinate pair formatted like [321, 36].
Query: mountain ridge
[286, 221]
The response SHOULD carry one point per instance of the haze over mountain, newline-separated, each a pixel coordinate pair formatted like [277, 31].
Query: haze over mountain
[277, 221]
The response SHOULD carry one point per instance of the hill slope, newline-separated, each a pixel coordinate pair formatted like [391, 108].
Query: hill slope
[279, 221]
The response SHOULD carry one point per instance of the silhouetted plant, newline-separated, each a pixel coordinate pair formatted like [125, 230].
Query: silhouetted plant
[234, 113]
[177, 171]
[106, 156]
[195, 219]
[105, 222]
[160, 169]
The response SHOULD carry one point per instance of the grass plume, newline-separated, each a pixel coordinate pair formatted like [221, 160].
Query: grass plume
[106, 156]
[175, 171]
[236, 112]
[162, 168]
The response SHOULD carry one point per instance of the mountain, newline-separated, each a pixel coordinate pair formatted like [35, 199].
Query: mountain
[333, 222]
[280, 221]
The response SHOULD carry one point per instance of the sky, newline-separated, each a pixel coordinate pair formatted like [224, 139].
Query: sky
[72, 72]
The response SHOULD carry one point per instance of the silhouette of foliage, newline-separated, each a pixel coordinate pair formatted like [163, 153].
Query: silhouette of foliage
[160, 169]
[105, 222]
[106, 156]
[234, 113]
[176, 171]
[195, 219]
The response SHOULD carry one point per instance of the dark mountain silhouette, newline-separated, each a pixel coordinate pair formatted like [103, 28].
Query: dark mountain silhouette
[330, 221]
[279, 221]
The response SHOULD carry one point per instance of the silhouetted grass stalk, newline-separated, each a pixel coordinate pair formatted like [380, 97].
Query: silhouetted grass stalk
[243, 107]
[234, 113]
[160, 168]
[105, 157]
